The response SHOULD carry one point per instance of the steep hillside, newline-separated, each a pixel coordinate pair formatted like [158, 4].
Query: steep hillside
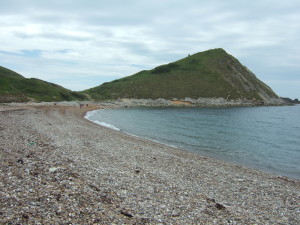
[16, 88]
[209, 74]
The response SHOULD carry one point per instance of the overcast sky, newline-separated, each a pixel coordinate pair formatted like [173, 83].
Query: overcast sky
[81, 44]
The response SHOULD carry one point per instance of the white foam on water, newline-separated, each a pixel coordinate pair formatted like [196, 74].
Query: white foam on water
[92, 113]
[88, 116]
[106, 125]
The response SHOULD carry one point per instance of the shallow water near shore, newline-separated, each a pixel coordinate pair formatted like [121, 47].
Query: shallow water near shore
[265, 138]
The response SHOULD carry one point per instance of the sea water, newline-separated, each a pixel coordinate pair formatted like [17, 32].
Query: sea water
[265, 138]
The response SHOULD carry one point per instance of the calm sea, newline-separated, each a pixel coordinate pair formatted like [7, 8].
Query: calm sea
[265, 138]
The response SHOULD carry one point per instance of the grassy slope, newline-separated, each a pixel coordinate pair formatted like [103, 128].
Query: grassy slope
[212, 73]
[16, 87]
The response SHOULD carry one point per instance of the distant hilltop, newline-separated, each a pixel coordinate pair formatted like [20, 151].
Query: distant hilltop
[212, 74]
[207, 78]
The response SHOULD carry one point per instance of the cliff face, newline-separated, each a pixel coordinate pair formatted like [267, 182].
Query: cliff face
[210, 74]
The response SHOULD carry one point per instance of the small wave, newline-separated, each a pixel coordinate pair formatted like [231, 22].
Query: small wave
[106, 125]
[89, 114]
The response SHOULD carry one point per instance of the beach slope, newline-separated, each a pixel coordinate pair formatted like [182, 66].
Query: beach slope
[58, 168]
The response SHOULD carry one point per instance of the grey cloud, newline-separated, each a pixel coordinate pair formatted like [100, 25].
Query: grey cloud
[135, 34]
[51, 35]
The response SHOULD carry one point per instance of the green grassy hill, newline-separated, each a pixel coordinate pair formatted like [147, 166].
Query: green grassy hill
[16, 88]
[212, 73]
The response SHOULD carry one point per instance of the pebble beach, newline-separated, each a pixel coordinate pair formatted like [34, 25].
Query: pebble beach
[59, 168]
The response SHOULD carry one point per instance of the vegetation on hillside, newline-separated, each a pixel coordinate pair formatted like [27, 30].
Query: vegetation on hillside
[16, 88]
[212, 73]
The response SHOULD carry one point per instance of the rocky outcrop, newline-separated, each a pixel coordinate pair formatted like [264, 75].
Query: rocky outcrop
[290, 101]
[204, 102]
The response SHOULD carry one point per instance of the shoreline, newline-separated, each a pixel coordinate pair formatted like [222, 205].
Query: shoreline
[57, 166]
[249, 165]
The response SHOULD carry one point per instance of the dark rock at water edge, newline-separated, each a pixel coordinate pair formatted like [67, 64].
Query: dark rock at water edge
[290, 101]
